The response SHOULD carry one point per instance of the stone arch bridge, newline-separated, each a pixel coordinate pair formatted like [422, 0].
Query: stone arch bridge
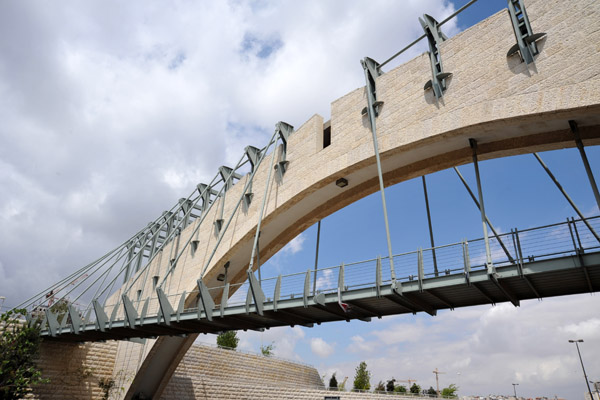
[518, 82]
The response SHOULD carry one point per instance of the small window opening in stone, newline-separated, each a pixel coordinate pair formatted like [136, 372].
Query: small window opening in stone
[154, 282]
[139, 295]
[326, 133]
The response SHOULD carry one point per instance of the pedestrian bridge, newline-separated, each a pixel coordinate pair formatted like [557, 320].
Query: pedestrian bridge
[519, 82]
[552, 260]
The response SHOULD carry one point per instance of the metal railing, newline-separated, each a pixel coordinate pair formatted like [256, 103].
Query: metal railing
[517, 247]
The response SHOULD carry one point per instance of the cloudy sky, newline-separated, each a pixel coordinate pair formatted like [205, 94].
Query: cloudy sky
[111, 111]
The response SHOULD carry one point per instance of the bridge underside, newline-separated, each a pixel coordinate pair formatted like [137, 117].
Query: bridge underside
[555, 277]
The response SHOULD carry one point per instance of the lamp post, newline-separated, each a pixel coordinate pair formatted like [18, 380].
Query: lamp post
[515, 388]
[577, 341]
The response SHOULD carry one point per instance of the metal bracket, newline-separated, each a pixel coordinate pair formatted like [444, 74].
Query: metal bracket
[113, 316]
[257, 293]
[205, 194]
[130, 313]
[319, 299]
[228, 174]
[52, 322]
[144, 310]
[207, 302]
[253, 154]
[186, 206]
[101, 317]
[435, 37]
[523, 33]
[165, 307]
[372, 71]
[75, 320]
[284, 130]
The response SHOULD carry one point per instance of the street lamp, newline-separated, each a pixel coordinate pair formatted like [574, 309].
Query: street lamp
[515, 388]
[577, 341]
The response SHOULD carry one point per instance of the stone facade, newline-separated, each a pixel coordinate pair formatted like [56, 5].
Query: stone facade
[74, 370]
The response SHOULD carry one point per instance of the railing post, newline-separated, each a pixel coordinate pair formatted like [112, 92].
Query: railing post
[581, 250]
[515, 237]
[378, 276]
[317, 257]
[466, 261]
[421, 272]
[572, 236]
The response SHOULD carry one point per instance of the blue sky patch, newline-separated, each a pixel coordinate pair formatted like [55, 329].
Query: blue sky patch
[261, 48]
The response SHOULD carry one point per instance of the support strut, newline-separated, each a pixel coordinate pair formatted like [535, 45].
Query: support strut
[371, 70]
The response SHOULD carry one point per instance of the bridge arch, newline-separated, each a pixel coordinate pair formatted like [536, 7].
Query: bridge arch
[509, 107]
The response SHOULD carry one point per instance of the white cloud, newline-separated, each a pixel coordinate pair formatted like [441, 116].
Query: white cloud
[295, 245]
[321, 348]
[360, 345]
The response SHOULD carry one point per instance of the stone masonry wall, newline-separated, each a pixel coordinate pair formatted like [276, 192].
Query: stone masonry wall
[74, 370]
[213, 373]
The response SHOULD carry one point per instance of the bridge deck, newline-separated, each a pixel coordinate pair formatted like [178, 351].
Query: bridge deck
[559, 276]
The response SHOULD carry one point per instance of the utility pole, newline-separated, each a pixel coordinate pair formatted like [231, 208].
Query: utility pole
[515, 389]
[437, 381]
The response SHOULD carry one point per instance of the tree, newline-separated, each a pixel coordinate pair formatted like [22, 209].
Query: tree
[431, 391]
[400, 389]
[390, 385]
[228, 340]
[380, 387]
[362, 379]
[19, 345]
[416, 389]
[333, 383]
[267, 350]
[450, 391]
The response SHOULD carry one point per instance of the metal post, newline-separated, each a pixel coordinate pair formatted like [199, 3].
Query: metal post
[371, 113]
[584, 158]
[515, 388]
[317, 257]
[435, 267]
[562, 190]
[488, 253]
[582, 367]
